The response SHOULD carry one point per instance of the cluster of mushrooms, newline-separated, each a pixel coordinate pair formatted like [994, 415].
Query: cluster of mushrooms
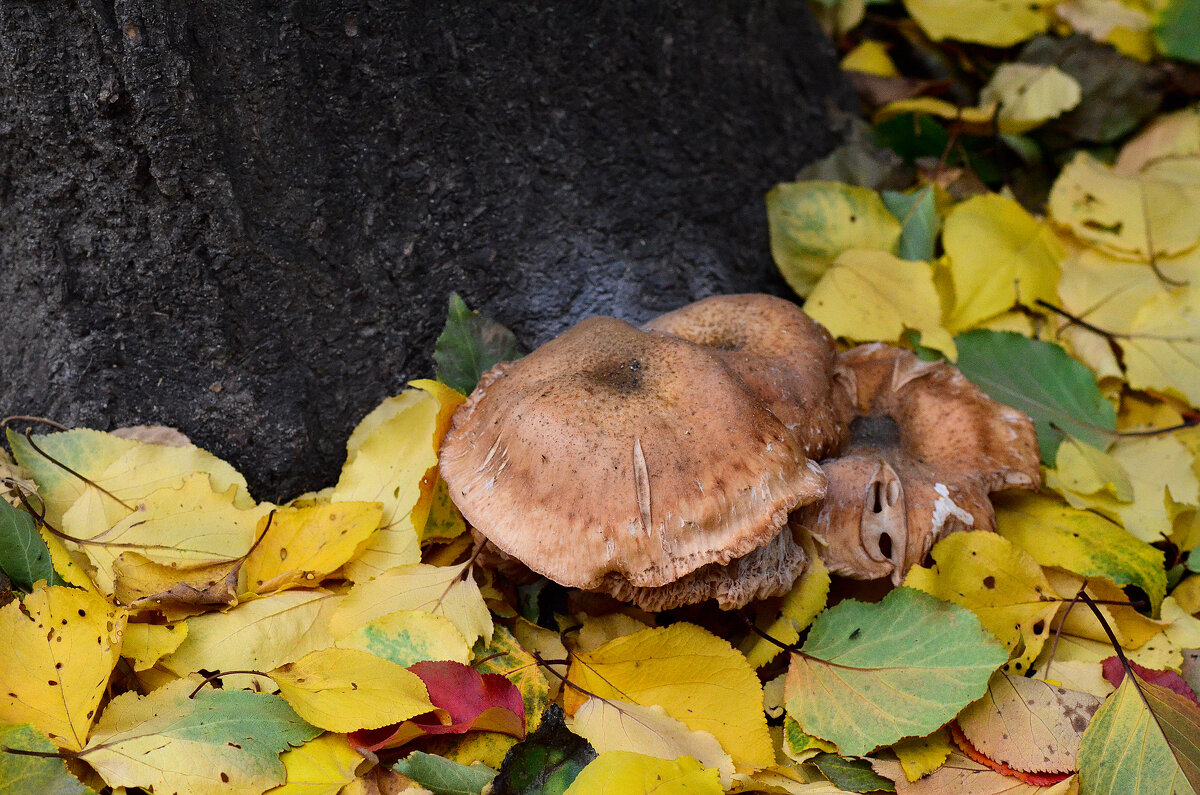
[682, 461]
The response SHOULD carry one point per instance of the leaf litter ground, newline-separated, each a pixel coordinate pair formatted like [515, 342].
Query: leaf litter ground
[1019, 199]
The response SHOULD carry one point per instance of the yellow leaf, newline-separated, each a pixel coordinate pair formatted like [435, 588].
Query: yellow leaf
[1124, 213]
[302, 546]
[873, 295]
[1169, 145]
[799, 745]
[620, 726]
[547, 644]
[61, 644]
[186, 522]
[932, 106]
[343, 690]
[695, 676]
[870, 57]
[319, 767]
[1164, 486]
[998, 582]
[1126, 27]
[445, 523]
[1081, 542]
[598, 630]
[999, 256]
[1187, 594]
[1083, 469]
[392, 459]
[1131, 628]
[1162, 348]
[1082, 675]
[992, 22]
[1028, 95]
[920, 756]
[800, 606]
[812, 223]
[1156, 653]
[448, 591]
[259, 635]
[173, 590]
[145, 644]
[409, 636]
[629, 773]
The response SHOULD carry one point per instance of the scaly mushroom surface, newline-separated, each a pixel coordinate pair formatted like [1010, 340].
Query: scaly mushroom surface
[783, 355]
[926, 447]
[624, 460]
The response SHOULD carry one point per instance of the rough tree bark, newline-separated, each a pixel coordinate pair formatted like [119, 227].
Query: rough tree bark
[243, 218]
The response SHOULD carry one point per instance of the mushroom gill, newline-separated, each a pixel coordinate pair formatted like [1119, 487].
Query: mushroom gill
[925, 448]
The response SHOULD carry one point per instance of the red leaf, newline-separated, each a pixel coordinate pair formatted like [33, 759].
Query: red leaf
[1033, 779]
[466, 701]
[1114, 672]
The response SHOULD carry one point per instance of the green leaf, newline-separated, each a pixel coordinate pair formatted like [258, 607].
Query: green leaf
[870, 674]
[1131, 750]
[912, 136]
[469, 346]
[220, 741]
[23, 554]
[854, 775]
[546, 762]
[444, 777]
[919, 221]
[43, 775]
[1041, 379]
[1176, 32]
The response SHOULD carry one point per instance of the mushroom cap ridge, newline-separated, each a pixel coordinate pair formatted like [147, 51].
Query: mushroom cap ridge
[613, 451]
[783, 355]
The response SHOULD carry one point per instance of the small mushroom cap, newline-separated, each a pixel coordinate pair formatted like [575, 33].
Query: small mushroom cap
[783, 355]
[614, 451]
[924, 451]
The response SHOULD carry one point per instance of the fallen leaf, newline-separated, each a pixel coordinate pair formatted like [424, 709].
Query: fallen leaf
[546, 762]
[861, 678]
[258, 635]
[24, 557]
[1000, 583]
[61, 646]
[392, 459]
[990, 22]
[174, 590]
[185, 523]
[1029, 95]
[1175, 33]
[343, 690]
[1134, 746]
[1080, 541]
[145, 644]
[695, 676]
[920, 756]
[448, 591]
[217, 742]
[611, 725]
[43, 775]
[964, 776]
[799, 745]
[870, 57]
[1114, 673]
[322, 766]
[919, 221]
[999, 256]
[1039, 378]
[595, 631]
[853, 775]
[444, 777]
[630, 773]
[469, 345]
[1028, 724]
[409, 636]
[873, 295]
[812, 223]
[445, 523]
[302, 546]
[1082, 469]
[1036, 779]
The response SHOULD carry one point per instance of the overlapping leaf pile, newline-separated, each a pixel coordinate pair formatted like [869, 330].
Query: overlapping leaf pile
[168, 633]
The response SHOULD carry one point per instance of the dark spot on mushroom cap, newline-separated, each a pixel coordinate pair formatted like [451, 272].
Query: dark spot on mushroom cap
[619, 375]
[875, 430]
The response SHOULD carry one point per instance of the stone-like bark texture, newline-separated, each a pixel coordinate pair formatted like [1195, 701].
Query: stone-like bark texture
[243, 218]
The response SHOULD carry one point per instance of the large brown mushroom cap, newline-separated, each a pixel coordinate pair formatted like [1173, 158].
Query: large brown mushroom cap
[613, 455]
[783, 355]
[925, 449]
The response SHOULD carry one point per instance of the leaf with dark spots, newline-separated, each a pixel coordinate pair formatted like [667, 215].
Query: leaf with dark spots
[547, 762]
